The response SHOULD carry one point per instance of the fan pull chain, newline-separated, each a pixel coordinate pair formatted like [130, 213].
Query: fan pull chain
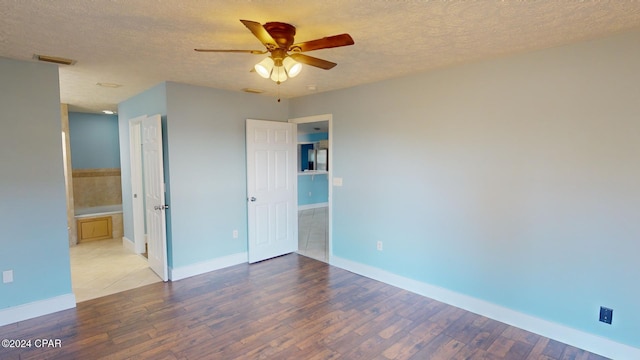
[278, 87]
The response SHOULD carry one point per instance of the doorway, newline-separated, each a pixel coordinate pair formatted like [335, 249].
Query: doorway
[104, 267]
[100, 264]
[315, 159]
[148, 192]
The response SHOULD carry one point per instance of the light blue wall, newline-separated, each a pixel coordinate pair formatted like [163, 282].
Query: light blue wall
[316, 185]
[206, 129]
[515, 181]
[204, 145]
[94, 141]
[34, 241]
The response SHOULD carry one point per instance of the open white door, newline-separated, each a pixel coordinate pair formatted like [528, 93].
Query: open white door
[137, 187]
[154, 195]
[271, 189]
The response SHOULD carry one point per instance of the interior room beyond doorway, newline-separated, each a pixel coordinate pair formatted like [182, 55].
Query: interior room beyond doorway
[105, 267]
[313, 187]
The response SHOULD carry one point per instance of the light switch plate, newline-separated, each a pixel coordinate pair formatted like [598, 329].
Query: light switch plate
[7, 276]
[337, 181]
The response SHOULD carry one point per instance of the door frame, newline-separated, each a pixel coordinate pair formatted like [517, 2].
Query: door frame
[137, 185]
[329, 119]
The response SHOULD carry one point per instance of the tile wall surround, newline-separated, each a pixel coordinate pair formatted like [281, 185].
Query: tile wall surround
[117, 226]
[96, 187]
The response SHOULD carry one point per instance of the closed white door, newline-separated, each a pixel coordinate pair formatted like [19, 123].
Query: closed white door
[271, 189]
[154, 195]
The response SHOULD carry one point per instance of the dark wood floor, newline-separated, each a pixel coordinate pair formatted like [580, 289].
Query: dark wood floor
[290, 307]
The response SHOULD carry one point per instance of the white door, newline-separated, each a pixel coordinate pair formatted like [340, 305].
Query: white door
[137, 187]
[271, 189]
[154, 195]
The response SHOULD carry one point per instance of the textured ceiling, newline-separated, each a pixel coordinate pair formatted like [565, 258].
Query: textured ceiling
[140, 43]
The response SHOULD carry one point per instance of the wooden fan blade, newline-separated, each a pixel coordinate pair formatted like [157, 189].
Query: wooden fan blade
[256, 52]
[310, 60]
[324, 43]
[261, 33]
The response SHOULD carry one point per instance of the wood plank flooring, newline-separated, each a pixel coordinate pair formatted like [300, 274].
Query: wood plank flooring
[291, 307]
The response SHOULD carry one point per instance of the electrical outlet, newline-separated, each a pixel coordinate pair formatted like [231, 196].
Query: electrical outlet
[379, 245]
[235, 234]
[606, 315]
[7, 276]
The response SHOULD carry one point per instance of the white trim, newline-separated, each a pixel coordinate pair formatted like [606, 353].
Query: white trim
[313, 206]
[37, 308]
[128, 245]
[562, 333]
[312, 118]
[207, 266]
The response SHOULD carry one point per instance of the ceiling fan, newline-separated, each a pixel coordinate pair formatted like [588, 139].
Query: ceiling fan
[285, 55]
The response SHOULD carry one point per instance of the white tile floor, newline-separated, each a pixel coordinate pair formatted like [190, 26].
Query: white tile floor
[313, 233]
[103, 267]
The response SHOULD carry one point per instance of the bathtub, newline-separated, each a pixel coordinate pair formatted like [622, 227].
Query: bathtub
[98, 211]
[99, 222]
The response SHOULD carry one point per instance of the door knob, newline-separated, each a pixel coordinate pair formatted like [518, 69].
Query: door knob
[253, 199]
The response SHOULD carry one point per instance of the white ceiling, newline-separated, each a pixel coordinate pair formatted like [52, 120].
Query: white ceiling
[141, 43]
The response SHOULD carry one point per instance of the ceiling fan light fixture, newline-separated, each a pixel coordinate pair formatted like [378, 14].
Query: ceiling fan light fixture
[279, 39]
[292, 67]
[279, 74]
[264, 67]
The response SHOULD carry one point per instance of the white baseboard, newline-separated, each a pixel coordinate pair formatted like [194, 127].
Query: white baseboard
[207, 266]
[312, 206]
[128, 245]
[580, 339]
[37, 308]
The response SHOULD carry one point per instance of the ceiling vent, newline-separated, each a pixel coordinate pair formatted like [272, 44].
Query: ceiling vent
[109, 85]
[253, 91]
[54, 59]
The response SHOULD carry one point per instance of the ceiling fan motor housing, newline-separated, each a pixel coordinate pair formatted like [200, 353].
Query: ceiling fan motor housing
[282, 33]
